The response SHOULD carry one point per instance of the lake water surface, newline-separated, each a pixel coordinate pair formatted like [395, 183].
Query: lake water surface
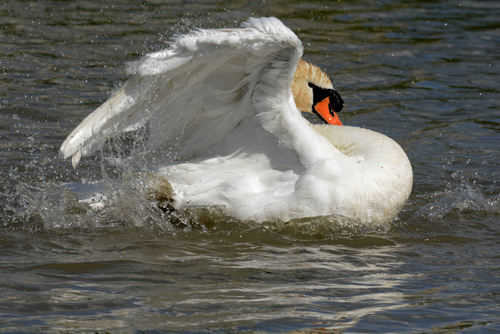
[425, 73]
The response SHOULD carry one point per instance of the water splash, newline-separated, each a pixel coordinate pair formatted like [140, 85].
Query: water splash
[54, 205]
[467, 196]
[130, 203]
[117, 203]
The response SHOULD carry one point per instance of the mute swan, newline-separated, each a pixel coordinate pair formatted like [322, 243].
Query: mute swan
[225, 129]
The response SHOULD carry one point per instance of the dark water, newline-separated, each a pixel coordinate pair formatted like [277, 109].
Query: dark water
[425, 73]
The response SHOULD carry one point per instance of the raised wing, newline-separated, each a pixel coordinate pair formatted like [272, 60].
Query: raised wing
[196, 92]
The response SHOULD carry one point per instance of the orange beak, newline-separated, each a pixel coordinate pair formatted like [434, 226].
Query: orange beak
[323, 108]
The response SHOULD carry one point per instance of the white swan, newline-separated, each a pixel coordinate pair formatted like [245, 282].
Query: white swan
[224, 129]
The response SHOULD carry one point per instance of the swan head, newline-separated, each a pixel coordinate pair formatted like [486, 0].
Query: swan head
[313, 93]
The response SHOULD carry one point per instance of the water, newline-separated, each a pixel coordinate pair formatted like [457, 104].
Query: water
[424, 73]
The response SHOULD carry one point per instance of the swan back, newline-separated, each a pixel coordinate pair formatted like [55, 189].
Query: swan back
[382, 174]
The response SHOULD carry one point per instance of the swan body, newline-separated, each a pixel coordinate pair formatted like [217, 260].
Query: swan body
[222, 108]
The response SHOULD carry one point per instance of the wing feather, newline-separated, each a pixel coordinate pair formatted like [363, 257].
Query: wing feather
[196, 92]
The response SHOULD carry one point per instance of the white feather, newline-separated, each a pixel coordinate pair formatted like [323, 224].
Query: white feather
[222, 99]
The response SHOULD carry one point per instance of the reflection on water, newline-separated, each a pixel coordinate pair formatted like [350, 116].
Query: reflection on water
[180, 283]
[425, 74]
